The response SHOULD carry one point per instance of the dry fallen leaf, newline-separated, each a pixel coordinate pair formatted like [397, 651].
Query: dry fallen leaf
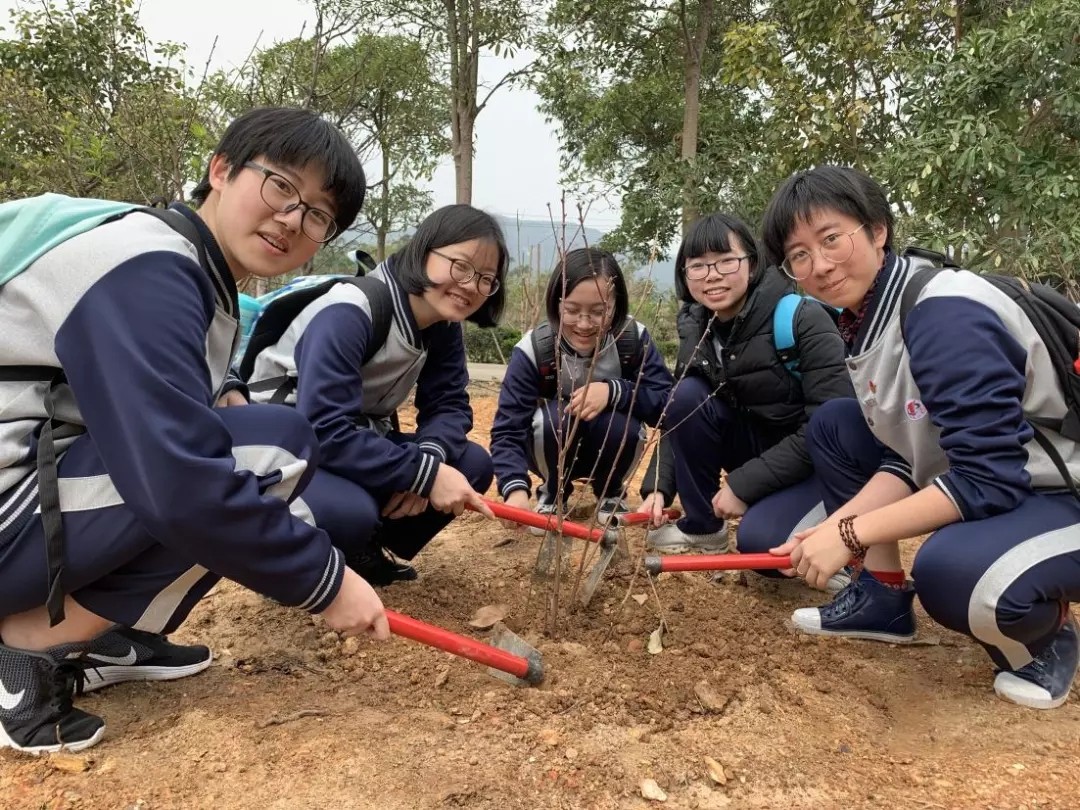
[652, 791]
[656, 640]
[486, 617]
[640, 598]
[716, 771]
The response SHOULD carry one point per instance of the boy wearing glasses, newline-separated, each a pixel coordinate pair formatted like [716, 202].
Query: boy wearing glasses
[736, 407]
[948, 436]
[162, 489]
[382, 494]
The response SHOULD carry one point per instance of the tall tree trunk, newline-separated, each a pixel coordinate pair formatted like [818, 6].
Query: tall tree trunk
[695, 46]
[384, 205]
[462, 38]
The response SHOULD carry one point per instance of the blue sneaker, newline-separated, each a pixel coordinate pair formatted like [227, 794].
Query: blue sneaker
[864, 609]
[1045, 682]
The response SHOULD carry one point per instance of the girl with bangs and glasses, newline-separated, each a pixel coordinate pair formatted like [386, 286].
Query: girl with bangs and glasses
[585, 382]
[380, 493]
[955, 432]
[736, 406]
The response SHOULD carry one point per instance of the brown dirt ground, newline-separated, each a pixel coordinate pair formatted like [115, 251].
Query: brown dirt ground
[793, 721]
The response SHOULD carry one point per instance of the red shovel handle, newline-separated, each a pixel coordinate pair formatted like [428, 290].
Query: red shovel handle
[637, 518]
[715, 562]
[429, 634]
[527, 517]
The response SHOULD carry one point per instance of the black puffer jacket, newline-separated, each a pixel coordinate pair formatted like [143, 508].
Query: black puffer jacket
[751, 378]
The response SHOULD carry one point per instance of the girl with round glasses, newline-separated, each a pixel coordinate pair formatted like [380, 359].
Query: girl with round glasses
[380, 492]
[735, 405]
[583, 383]
[954, 433]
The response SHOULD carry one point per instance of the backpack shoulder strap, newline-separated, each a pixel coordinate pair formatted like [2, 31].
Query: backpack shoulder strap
[183, 226]
[543, 346]
[631, 349]
[915, 285]
[381, 302]
[784, 338]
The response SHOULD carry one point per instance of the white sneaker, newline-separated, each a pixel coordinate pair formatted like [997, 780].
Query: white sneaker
[610, 507]
[670, 539]
[543, 509]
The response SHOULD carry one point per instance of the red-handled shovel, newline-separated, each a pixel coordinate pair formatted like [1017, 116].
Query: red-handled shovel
[608, 540]
[638, 518]
[508, 657]
[655, 564]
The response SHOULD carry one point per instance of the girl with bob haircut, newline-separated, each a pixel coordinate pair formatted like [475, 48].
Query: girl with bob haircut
[586, 381]
[735, 405]
[380, 492]
[953, 433]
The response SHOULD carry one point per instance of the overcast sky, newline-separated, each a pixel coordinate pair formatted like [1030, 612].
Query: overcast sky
[516, 167]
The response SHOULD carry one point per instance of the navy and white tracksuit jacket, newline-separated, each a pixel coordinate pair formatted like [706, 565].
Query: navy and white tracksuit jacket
[363, 459]
[952, 409]
[161, 493]
[528, 431]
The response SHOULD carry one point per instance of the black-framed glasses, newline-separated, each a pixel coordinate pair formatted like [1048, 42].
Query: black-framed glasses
[462, 271]
[282, 196]
[698, 270]
[574, 315]
[835, 248]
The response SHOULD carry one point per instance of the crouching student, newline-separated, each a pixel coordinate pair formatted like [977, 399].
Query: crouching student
[590, 402]
[116, 442]
[738, 405]
[381, 493]
[953, 434]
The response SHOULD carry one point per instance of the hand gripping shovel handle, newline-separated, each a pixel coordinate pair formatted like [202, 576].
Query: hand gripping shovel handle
[715, 562]
[527, 517]
[464, 647]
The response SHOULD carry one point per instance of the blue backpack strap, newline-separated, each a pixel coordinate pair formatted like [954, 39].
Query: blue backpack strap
[784, 331]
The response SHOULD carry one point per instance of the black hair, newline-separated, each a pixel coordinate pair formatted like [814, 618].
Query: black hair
[840, 188]
[581, 265]
[450, 225]
[712, 234]
[294, 138]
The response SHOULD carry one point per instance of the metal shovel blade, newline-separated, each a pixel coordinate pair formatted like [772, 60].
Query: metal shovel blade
[608, 549]
[545, 557]
[506, 639]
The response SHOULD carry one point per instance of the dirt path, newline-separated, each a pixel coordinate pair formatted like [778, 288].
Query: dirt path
[291, 717]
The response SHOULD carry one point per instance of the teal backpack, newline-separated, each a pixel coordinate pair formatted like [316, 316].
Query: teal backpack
[787, 348]
[29, 229]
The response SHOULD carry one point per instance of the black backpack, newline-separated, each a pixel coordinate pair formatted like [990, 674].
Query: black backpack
[628, 343]
[1057, 321]
[282, 311]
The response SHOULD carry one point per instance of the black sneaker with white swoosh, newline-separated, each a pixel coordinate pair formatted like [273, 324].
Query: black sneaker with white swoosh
[36, 692]
[123, 654]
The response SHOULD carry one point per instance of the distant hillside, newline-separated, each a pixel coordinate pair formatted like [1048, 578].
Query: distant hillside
[535, 243]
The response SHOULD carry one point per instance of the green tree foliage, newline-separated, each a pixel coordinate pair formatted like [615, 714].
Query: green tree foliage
[379, 90]
[88, 106]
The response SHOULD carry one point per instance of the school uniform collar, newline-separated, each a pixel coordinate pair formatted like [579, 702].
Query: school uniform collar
[221, 276]
[884, 300]
[403, 314]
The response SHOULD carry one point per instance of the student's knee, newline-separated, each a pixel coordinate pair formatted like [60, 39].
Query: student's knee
[833, 426]
[756, 533]
[476, 465]
[686, 399]
[273, 426]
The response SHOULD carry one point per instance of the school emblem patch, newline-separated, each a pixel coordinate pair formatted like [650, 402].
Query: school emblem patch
[915, 410]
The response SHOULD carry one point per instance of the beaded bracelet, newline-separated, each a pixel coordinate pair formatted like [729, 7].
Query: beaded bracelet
[847, 534]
